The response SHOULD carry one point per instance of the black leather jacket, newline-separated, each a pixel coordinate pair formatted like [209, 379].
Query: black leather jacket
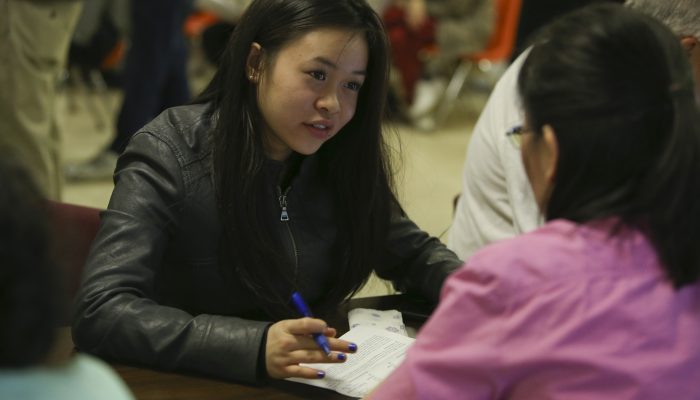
[151, 291]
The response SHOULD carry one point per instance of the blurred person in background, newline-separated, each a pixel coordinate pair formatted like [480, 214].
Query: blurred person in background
[496, 201]
[427, 39]
[154, 78]
[34, 38]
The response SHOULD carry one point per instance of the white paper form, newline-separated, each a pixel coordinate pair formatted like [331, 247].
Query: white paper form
[379, 352]
[389, 320]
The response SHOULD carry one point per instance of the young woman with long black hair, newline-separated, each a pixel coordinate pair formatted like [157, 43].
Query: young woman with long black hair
[277, 180]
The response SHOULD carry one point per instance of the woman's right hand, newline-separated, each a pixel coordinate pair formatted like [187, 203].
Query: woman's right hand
[290, 342]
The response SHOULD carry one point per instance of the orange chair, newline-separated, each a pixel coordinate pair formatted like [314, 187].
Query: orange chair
[197, 22]
[498, 49]
[72, 229]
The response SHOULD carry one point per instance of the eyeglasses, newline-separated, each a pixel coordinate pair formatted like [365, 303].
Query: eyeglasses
[515, 135]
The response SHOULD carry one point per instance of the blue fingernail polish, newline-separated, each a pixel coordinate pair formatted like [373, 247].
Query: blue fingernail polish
[341, 356]
[320, 374]
[352, 347]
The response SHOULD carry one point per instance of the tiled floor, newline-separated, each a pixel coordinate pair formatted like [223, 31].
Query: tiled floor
[431, 162]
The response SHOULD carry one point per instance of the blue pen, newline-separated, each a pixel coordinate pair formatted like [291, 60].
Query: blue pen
[304, 310]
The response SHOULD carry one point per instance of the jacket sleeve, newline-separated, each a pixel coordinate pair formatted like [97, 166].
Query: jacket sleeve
[414, 261]
[116, 315]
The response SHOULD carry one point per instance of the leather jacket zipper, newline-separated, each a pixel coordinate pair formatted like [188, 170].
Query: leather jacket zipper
[282, 198]
[284, 217]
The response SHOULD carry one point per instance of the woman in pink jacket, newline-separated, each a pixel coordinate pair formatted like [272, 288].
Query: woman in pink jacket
[603, 301]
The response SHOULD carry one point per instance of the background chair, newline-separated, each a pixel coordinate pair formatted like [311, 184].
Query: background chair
[499, 49]
[72, 229]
